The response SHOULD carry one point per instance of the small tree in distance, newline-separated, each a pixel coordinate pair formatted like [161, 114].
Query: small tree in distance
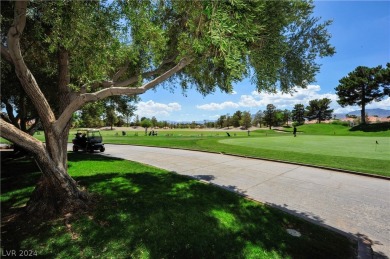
[258, 119]
[298, 114]
[286, 116]
[246, 120]
[146, 123]
[270, 115]
[319, 109]
[236, 118]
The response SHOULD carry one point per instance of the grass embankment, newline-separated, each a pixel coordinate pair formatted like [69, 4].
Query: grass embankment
[329, 145]
[145, 212]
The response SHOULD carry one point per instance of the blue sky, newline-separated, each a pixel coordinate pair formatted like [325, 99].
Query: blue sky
[361, 34]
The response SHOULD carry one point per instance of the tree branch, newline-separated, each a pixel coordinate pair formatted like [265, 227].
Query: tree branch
[120, 72]
[5, 117]
[10, 113]
[25, 76]
[63, 78]
[79, 101]
[131, 80]
[23, 139]
[134, 79]
[33, 127]
[5, 54]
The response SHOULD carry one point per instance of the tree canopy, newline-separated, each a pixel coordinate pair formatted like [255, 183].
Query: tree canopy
[319, 109]
[298, 114]
[363, 86]
[270, 115]
[86, 51]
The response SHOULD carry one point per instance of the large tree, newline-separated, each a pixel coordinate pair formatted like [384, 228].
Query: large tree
[319, 110]
[363, 86]
[102, 49]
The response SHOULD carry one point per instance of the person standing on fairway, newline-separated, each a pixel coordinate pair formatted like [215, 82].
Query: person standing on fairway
[295, 131]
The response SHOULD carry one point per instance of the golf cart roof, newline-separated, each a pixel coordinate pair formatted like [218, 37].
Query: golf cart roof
[88, 130]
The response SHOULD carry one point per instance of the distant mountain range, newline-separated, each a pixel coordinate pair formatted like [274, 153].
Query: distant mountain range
[382, 113]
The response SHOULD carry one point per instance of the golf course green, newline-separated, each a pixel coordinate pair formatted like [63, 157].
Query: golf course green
[345, 146]
[364, 149]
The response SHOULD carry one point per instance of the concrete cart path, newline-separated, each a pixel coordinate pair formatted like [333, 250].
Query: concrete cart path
[354, 204]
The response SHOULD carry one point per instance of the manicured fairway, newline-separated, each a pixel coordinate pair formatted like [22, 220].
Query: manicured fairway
[345, 146]
[330, 145]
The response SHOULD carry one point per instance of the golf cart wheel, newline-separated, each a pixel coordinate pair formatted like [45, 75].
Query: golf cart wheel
[75, 148]
[102, 149]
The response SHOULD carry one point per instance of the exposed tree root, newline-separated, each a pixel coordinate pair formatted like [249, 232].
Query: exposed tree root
[48, 201]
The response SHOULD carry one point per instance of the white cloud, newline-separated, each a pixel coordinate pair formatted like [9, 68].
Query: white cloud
[384, 104]
[281, 101]
[250, 101]
[218, 106]
[287, 101]
[151, 108]
[339, 109]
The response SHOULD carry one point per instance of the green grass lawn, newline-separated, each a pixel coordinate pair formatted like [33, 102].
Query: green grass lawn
[343, 146]
[145, 212]
[329, 145]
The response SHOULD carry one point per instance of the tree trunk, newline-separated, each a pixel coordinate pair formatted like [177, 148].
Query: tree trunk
[363, 111]
[319, 117]
[56, 192]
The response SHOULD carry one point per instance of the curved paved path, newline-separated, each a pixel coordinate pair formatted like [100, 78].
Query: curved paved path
[354, 204]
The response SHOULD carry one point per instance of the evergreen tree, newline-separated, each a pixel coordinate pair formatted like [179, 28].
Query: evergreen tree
[236, 118]
[246, 120]
[319, 109]
[286, 116]
[363, 86]
[298, 114]
[270, 115]
[258, 119]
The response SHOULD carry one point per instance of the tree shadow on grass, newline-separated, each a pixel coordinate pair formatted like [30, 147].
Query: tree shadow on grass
[167, 215]
[18, 178]
[374, 127]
